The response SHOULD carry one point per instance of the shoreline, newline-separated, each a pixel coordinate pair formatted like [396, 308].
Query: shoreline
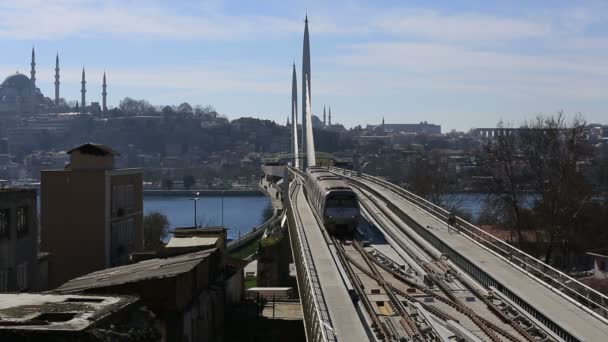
[203, 193]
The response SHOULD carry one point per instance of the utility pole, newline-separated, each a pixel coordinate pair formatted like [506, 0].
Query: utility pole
[195, 199]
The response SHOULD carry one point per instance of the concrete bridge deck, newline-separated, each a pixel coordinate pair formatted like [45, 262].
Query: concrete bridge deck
[345, 319]
[570, 316]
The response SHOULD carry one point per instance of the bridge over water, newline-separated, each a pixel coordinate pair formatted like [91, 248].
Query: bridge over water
[418, 278]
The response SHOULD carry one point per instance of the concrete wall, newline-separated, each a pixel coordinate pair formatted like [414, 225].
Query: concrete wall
[73, 220]
[85, 161]
[127, 180]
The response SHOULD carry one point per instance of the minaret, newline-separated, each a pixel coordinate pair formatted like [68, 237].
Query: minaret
[306, 98]
[330, 115]
[287, 124]
[294, 118]
[83, 92]
[324, 116]
[104, 94]
[33, 71]
[57, 80]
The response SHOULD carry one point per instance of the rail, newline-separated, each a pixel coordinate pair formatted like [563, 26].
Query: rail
[317, 321]
[548, 276]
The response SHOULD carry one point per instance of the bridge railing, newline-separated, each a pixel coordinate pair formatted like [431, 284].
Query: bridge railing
[317, 321]
[548, 276]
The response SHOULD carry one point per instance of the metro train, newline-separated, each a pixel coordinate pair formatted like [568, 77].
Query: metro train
[333, 200]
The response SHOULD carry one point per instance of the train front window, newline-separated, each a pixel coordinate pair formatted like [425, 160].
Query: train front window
[341, 202]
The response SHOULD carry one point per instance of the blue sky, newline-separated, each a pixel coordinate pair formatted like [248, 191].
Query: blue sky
[461, 64]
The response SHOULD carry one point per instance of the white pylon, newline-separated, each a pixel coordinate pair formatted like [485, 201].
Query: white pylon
[310, 141]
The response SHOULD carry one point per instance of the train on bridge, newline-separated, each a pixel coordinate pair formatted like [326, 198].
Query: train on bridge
[333, 200]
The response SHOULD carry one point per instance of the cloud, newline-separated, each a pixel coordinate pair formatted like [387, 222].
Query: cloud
[35, 19]
[461, 27]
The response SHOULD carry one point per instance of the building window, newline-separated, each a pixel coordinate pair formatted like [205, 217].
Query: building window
[22, 276]
[3, 281]
[123, 199]
[130, 197]
[21, 221]
[122, 240]
[5, 222]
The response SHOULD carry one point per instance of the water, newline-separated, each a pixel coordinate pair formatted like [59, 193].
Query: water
[241, 213]
[472, 203]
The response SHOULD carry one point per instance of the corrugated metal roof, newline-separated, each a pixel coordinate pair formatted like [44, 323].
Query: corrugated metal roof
[191, 241]
[148, 269]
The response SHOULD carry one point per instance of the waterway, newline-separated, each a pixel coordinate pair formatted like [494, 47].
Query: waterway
[240, 213]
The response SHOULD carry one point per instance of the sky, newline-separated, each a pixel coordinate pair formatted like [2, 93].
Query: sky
[461, 64]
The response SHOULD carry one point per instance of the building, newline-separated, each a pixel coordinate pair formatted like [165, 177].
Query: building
[204, 237]
[72, 318]
[20, 266]
[18, 95]
[419, 128]
[187, 292]
[91, 213]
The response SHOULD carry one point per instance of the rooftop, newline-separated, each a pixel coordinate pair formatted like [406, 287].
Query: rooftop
[57, 312]
[144, 270]
[191, 241]
[94, 149]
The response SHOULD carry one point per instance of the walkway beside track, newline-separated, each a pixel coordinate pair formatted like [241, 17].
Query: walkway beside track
[344, 317]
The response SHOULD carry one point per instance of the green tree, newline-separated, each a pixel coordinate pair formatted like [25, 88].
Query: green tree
[189, 181]
[156, 225]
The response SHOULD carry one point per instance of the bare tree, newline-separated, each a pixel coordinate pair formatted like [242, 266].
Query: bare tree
[507, 194]
[428, 177]
[554, 151]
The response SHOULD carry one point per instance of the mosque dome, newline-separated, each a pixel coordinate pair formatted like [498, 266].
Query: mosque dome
[17, 81]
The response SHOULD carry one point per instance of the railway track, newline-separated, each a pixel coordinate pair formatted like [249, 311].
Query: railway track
[437, 303]
[512, 325]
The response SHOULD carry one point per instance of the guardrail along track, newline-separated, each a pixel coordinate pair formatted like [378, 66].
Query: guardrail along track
[317, 321]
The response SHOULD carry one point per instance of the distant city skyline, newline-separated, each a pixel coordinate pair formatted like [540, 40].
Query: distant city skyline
[461, 64]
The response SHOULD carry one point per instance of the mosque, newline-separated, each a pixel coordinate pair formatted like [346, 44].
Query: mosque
[20, 96]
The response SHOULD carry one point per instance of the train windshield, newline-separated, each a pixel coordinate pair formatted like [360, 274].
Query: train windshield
[341, 201]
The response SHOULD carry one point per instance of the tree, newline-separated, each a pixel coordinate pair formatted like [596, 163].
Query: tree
[189, 181]
[168, 183]
[554, 150]
[537, 181]
[507, 188]
[156, 225]
[185, 108]
[133, 107]
[428, 177]
[168, 111]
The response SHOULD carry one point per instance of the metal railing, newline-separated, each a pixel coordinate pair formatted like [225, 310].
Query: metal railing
[546, 275]
[317, 321]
